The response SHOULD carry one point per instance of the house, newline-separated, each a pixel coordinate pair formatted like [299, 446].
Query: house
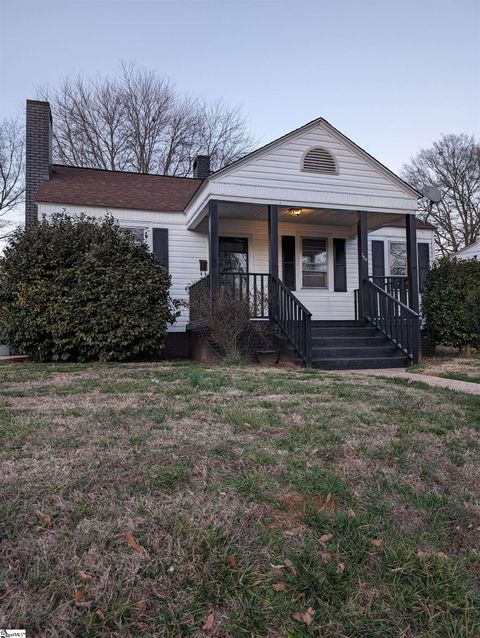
[469, 252]
[324, 231]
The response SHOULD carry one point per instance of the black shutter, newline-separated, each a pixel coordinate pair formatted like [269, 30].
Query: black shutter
[378, 261]
[288, 261]
[340, 265]
[160, 246]
[423, 264]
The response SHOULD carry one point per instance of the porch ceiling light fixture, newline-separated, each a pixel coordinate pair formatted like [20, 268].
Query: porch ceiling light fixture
[295, 211]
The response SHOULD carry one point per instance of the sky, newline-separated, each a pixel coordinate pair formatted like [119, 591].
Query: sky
[393, 75]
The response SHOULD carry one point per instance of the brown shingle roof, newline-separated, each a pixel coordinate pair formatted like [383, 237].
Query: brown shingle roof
[116, 189]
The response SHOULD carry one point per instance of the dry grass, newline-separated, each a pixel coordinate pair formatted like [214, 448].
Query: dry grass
[451, 367]
[221, 475]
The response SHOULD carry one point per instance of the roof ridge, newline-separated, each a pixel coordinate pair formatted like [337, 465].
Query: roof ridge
[108, 170]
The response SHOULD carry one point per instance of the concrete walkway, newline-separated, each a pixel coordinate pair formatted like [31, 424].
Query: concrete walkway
[14, 357]
[438, 382]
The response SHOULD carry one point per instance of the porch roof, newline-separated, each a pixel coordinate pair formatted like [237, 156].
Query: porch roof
[320, 216]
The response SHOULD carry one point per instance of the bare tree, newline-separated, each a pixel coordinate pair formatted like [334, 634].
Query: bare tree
[12, 145]
[452, 165]
[138, 121]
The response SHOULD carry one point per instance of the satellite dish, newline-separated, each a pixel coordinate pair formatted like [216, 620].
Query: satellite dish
[432, 193]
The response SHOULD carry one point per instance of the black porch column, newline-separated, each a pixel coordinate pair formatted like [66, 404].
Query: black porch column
[412, 263]
[213, 249]
[273, 240]
[272, 258]
[362, 236]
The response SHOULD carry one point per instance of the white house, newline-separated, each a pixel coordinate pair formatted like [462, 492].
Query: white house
[311, 218]
[469, 252]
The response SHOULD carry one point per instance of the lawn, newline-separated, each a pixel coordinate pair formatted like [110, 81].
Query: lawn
[167, 500]
[451, 367]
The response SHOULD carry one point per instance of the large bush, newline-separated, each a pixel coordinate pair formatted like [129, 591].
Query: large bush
[76, 289]
[451, 303]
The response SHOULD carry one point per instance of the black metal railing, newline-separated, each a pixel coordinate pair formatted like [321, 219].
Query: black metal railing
[267, 298]
[293, 319]
[396, 286]
[399, 323]
[252, 287]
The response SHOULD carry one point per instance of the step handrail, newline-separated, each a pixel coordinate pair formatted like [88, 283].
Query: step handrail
[293, 319]
[397, 321]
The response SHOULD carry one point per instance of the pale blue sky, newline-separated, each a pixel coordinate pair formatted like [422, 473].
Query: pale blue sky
[392, 75]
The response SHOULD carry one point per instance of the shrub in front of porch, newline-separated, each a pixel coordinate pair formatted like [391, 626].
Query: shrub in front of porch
[77, 289]
[451, 303]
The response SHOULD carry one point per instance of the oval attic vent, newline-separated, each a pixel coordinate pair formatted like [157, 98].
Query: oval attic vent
[319, 160]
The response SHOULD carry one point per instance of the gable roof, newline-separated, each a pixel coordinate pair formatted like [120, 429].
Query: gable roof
[320, 120]
[117, 189]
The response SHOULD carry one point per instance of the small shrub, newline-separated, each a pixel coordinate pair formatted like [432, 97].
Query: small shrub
[77, 289]
[451, 303]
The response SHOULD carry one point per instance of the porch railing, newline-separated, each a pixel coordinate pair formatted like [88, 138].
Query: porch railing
[395, 286]
[399, 323]
[267, 298]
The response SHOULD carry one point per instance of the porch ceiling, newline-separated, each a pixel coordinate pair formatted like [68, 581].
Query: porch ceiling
[324, 216]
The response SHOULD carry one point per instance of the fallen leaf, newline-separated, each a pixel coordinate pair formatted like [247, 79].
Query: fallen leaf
[305, 617]
[232, 561]
[142, 606]
[314, 451]
[100, 614]
[325, 538]
[340, 568]
[329, 498]
[276, 566]
[351, 513]
[376, 542]
[326, 557]
[247, 425]
[278, 587]
[84, 577]
[78, 596]
[257, 582]
[133, 543]
[309, 464]
[290, 566]
[45, 518]
[441, 555]
[85, 603]
[208, 624]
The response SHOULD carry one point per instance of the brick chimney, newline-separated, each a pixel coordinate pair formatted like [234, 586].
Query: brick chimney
[38, 154]
[201, 166]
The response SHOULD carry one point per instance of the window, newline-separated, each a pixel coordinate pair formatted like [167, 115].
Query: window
[138, 233]
[398, 259]
[314, 263]
[233, 254]
[319, 160]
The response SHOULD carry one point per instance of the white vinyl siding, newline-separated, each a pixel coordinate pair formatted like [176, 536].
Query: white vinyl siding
[187, 247]
[276, 176]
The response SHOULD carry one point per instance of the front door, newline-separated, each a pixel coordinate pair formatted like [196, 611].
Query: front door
[233, 254]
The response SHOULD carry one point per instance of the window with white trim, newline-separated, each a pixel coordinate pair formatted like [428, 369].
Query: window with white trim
[397, 258]
[314, 263]
[139, 234]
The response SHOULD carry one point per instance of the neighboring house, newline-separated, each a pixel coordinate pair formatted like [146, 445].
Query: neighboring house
[310, 219]
[469, 252]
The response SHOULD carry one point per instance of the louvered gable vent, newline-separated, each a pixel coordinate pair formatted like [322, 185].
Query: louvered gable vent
[319, 160]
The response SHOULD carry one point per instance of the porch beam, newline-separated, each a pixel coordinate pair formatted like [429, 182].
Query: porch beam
[213, 249]
[412, 261]
[362, 237]
[273, 240]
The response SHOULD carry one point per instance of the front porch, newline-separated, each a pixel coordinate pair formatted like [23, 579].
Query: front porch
[302, 267]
